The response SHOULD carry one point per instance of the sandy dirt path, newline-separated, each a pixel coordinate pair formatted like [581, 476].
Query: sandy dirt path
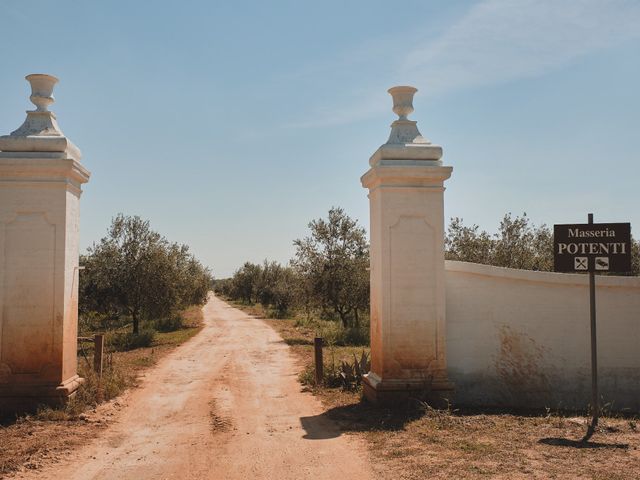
[226, 405]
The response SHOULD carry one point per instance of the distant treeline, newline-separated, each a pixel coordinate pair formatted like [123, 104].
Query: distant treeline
[328, 274]
[517, 244]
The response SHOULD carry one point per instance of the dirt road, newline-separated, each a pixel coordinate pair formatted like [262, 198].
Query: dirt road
[226, 405]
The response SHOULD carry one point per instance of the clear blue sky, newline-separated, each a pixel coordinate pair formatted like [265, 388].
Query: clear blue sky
[230, 125]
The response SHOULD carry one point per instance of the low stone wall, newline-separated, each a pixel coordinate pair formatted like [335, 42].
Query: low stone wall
[522, 339]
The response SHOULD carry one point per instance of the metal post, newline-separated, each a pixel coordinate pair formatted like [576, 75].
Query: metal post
[98, 342]
[595, 401]
[317, 345]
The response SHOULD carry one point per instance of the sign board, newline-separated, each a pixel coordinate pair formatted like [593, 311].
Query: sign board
[592, 247]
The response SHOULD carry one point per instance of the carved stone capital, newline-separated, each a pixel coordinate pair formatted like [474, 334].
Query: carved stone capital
[40, 131]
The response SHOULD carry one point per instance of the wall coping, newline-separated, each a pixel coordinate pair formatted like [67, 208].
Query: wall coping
[538, 277]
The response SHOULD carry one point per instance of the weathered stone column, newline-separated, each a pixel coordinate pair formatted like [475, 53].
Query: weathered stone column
[40, 187]
[406, 190]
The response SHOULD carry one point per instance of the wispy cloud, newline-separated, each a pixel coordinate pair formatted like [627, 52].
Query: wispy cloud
[502, 40]
[498, 41]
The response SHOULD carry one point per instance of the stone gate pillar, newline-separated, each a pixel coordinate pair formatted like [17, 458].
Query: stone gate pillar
[406, 190]
[40, 187]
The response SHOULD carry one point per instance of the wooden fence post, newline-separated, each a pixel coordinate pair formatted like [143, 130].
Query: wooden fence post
[98, 341]
[317, 344]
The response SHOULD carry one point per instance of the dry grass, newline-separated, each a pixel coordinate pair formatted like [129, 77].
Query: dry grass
[418, 442]
[193, 317]
[30, 440]
[424, 443]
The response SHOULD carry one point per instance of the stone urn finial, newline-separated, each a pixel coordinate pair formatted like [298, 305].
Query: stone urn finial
[405, 145]
[41, 90]
[403, 130]
[402, 100]
[40, 122]
[40, 131]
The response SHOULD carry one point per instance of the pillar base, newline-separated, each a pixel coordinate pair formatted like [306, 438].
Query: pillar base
[19, 398]
[397, 392]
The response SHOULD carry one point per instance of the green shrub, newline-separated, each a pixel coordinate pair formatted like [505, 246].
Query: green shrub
[277, 314]
[297, 341]
[331, 375]
[341, 372]
[130, 341]
[334, 334]
[89, 322]
[356, 336]
[307, 376]
[351, 373]
[169, 324]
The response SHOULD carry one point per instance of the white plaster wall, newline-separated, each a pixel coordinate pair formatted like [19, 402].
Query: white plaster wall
[521, 338]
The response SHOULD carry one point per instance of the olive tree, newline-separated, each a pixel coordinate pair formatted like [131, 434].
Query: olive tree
[518, 244]
[276, 287]
[245, 281]
[333, 261]
[136, 272]
[635, 257]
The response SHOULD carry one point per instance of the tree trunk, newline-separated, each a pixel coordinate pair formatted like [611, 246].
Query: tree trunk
[343, 318]
[136, 323]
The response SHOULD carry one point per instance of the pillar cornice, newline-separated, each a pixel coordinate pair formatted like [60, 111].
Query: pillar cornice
[406, 175]
[21, 169]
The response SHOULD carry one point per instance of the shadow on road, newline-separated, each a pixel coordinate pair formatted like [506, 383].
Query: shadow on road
[7, 421]
[319, 427]
[357, 417]
[566, 442]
